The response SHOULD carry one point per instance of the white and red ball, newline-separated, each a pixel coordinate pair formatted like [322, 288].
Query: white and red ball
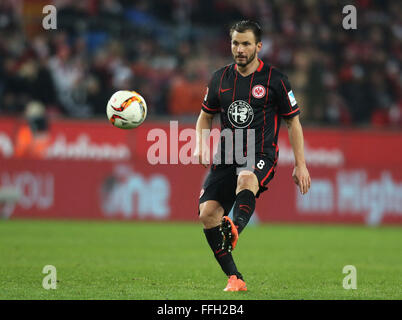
[126, 109]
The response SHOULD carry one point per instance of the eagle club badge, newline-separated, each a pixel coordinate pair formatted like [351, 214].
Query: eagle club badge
[240, 114]
[258, 91]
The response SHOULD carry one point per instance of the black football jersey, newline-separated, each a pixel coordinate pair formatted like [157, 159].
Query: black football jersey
[257, 101]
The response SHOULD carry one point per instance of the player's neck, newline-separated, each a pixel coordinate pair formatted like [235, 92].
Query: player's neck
[250, 68]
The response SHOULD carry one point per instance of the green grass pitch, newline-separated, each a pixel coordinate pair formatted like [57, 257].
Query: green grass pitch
[147, 261]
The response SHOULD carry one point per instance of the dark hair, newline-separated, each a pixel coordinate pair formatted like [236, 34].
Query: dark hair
[245, 25]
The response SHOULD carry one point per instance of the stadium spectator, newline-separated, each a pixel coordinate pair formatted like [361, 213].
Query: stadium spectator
[32, 138]
[342, 77]
[187, 89]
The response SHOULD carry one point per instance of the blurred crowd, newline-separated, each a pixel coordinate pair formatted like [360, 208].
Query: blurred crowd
[167, 50]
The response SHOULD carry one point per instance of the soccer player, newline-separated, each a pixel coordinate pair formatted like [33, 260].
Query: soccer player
[248, 95]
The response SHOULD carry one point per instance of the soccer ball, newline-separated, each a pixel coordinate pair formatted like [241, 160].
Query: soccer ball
[126, 109]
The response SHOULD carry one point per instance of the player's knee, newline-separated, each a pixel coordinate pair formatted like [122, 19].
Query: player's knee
[204, 216]
[247, 180]
[210, 216]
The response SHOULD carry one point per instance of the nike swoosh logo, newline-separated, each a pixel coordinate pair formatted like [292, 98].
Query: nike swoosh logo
[224, 90]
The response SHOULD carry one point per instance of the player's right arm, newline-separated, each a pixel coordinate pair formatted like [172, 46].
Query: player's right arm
[203, 128]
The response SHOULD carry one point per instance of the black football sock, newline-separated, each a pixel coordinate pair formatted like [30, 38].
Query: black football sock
[243, 209]
[224, 258]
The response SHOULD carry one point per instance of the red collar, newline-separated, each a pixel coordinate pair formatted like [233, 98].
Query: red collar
[259, 67]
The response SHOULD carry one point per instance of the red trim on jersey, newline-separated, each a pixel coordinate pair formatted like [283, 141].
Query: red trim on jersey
[248, 130]
[260, 66]
[269, 79]
[266, 102]
[276, 124]
[287, 96]
[262, 144]
[234, 92]
[287, 114]
[214, 110]
[234, 87]
[220, 84]
[276, 149]
[249, 99]
[275, 133]
[251, 83]
[269, 172]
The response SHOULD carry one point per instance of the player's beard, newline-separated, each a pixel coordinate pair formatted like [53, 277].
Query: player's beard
[248, 61]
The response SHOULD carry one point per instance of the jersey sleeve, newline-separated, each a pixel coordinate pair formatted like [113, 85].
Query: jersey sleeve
[211, 100]
[286, 101]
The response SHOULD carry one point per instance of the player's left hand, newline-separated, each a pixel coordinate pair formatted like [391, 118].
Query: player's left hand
[302, 178]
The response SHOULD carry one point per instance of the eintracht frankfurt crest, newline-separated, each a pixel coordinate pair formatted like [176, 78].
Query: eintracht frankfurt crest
[240, 114]
[258, 91]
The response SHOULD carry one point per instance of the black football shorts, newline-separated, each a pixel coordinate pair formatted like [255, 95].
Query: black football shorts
[221, 183]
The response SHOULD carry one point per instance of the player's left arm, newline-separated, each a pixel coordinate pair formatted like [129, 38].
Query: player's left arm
[300, 174]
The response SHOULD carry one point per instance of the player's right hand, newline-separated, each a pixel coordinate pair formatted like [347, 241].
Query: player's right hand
[202, 155]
